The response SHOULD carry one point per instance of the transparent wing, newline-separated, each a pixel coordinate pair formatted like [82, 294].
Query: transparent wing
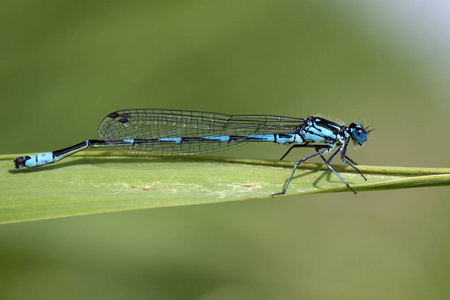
[154, 124]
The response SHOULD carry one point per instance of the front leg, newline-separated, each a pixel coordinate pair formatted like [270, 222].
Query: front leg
[343, 157]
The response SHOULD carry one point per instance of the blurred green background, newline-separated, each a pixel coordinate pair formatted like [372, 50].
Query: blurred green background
[64, 65]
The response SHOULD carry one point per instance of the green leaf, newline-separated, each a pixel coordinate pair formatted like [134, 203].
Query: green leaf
[98, 182]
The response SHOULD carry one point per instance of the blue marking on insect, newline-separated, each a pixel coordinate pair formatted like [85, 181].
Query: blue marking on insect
[223, 138]
[165, 132]
[39, 159]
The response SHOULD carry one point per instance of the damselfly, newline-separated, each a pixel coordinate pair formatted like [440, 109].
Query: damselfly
[165, 132]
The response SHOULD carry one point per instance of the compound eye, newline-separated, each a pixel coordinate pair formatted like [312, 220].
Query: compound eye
[359, 134]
